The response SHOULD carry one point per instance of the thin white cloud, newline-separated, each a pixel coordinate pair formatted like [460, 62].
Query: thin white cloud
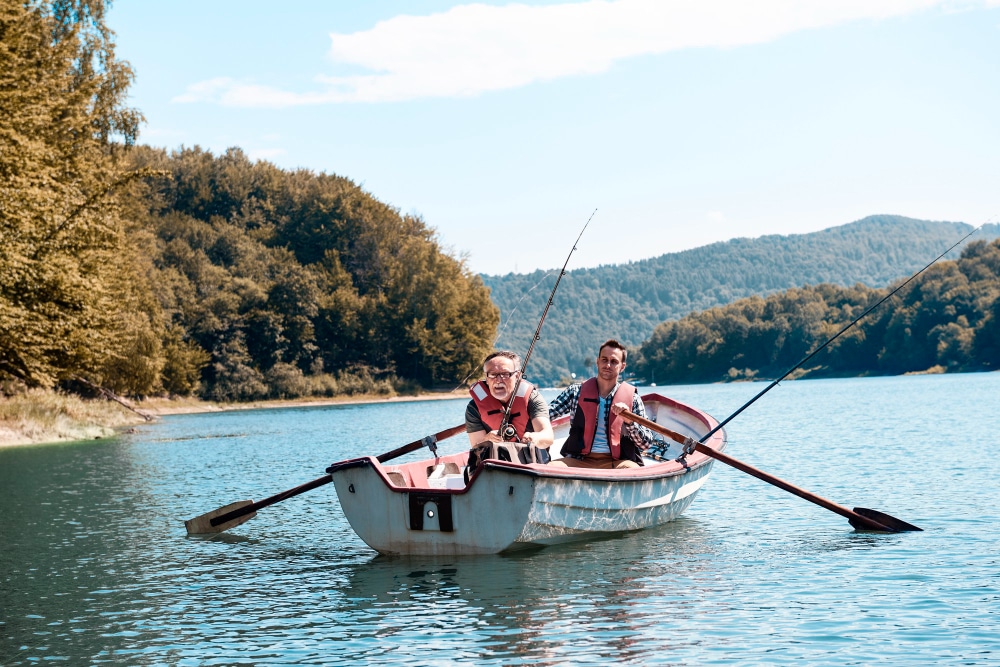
[472, 49]
[203, 90]
[266, 153]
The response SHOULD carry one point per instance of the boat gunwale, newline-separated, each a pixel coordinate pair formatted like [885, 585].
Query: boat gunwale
[653, 471]
[645, 473]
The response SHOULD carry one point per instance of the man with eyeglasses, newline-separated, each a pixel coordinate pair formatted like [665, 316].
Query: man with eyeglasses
[529, 413]
[598, 437]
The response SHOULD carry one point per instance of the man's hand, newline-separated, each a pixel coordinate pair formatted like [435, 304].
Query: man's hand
[492, 436]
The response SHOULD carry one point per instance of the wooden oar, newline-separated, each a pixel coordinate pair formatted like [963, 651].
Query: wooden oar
[860, 517]
[232, 515]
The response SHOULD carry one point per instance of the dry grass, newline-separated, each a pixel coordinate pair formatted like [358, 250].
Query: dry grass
[182, 405]
[37, 416]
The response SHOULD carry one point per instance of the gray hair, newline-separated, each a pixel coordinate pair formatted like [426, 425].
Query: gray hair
[506, 354]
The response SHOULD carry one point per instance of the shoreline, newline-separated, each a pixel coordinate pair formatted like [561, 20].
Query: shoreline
[45, 418]
[164, 406]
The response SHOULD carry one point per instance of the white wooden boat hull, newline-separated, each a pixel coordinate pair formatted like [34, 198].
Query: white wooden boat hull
[425, 507]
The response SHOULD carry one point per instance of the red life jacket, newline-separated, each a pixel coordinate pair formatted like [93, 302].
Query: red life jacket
[584, 424]
[491, 410]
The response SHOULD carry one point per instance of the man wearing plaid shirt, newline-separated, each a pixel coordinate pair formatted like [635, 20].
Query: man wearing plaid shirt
[598, 437]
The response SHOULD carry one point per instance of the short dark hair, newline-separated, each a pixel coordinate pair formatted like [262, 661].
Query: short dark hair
[612, 343]
[506, 354]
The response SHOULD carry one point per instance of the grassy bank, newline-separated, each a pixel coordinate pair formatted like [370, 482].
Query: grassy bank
[40, 416]
[175, 406]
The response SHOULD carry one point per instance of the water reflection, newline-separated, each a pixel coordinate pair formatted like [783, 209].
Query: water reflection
[226, 538]
[591, 603]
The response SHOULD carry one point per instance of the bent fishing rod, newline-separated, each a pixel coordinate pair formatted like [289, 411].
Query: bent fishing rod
[506, 430]
[812, 354]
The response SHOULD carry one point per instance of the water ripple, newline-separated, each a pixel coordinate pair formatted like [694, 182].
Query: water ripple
[95, 566]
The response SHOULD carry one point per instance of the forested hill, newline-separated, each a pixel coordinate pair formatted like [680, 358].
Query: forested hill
[947, 320]
[628, 301]
[285, 283]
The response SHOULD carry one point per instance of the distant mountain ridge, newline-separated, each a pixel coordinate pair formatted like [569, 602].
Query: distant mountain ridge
[627, 301]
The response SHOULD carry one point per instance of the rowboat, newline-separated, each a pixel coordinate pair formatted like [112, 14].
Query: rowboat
[428, 508]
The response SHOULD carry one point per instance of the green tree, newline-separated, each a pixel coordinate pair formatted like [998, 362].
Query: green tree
[70, 295]
[301, 282]
[183, 363]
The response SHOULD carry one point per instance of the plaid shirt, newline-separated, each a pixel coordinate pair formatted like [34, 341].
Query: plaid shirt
[566, 402]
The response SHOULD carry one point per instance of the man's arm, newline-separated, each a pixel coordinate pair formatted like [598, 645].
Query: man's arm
[640, 435]
[541, 434]
[474, 425]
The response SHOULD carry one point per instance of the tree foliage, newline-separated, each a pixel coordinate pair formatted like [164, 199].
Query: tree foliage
[292, 283]
[220, 276]
[71, 299]
[945, 320]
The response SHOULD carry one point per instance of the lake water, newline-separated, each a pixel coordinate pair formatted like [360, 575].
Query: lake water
[96, 568]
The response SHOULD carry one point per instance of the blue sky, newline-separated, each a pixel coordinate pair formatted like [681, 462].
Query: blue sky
[682, 122]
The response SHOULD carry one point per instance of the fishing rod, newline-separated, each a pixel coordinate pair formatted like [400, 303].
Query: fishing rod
[812, 354]
[506, 429]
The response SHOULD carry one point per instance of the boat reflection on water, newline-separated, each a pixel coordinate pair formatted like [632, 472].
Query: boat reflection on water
[603, 597]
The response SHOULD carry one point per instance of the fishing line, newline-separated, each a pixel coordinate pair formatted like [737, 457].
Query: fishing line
[510, 316]
[506, 429]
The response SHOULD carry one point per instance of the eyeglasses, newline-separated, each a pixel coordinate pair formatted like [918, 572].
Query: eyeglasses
[501, 376]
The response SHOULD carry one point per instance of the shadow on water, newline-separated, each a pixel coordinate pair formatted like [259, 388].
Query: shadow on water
[225, 538]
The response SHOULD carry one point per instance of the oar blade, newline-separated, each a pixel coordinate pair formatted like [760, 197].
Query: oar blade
[202, 525]
[886, 520]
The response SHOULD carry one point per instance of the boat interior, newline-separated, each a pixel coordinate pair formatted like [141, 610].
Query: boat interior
[446, 473]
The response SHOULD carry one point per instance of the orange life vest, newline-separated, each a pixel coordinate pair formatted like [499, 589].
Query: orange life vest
[491, 410]
[583, 427]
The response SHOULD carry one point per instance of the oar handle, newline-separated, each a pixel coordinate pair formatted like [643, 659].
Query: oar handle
[426, 441]
[760, 474]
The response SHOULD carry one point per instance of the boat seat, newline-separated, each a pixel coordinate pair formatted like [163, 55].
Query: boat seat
[396, 478]
[443, 469]
[415, 477]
